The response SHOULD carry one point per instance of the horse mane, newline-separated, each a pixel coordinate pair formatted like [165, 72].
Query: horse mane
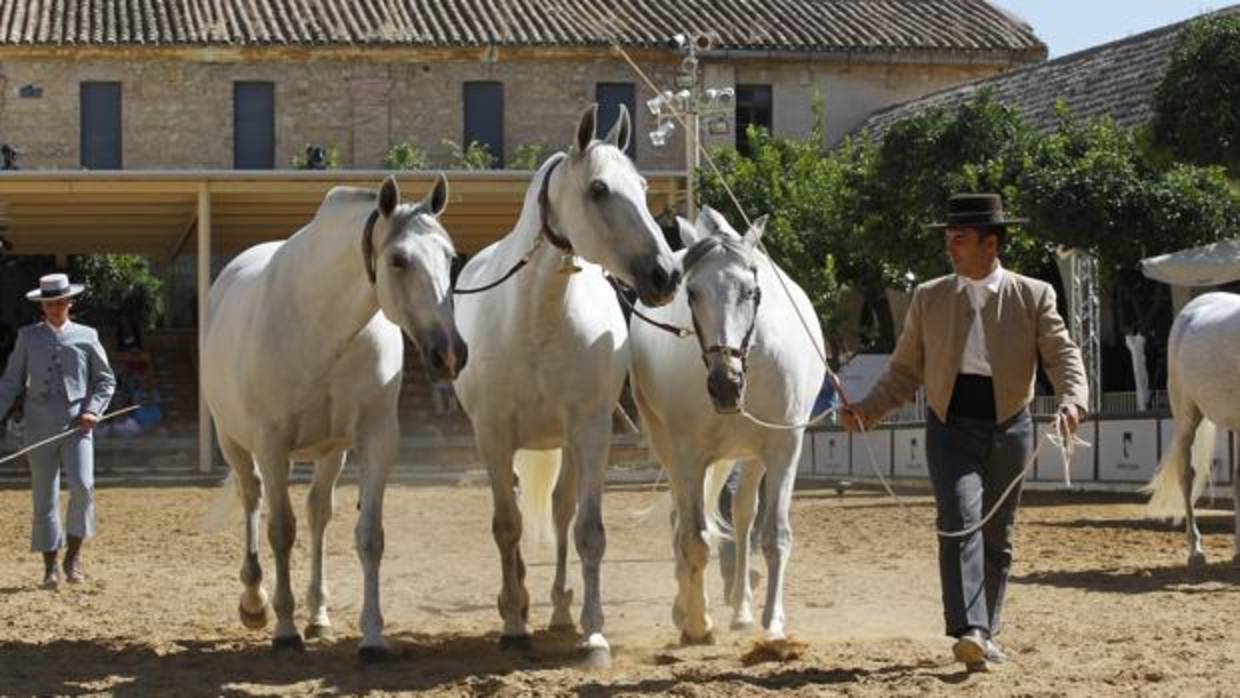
[710, 243]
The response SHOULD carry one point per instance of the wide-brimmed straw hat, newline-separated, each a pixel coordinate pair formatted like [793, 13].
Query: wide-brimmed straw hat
[975, 211]
[53, 287]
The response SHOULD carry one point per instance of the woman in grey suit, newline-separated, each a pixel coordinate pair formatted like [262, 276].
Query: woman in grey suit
[64, 373]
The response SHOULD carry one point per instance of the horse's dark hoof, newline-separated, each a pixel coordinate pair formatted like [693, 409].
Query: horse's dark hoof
[688, 640]
[516, 643]
[254, 620]
[374, 655]
[565, 628]
[291, 643]
[318, 632]
[1196, 562]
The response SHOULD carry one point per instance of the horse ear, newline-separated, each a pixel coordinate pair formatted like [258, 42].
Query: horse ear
[711, 222]
[368, 246]
[622, 130]
[754, 235]
[585, 129]
[689, 233]
[389, 196]
[437, 198]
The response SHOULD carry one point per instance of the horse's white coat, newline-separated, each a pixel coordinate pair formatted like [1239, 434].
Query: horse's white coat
[780, 382]
[302, 365]
[550, 352]
[1203, 384]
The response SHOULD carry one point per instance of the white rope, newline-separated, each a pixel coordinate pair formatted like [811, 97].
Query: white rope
[1061, 439]
[787, 427]
[63, 434]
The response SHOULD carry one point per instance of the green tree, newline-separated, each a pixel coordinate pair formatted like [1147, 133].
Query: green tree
[118, 285]
[1197, 106]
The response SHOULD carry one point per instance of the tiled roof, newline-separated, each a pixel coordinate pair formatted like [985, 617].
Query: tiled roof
[968, 26]
[1116, 79]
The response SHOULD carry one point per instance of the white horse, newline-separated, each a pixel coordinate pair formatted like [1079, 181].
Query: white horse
[301, 366]
[550, 357]
[752, 352]
[1203, 380]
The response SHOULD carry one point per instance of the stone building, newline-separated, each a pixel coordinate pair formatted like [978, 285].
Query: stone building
[222, 84]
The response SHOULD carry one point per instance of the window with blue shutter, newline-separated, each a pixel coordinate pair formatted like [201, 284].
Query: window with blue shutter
[101, 125]
[753, 106]
[610, 95]
[484, 118]
[254, 126]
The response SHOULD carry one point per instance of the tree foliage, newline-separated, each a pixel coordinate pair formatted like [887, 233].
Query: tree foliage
[854, 217]
[1197, 106]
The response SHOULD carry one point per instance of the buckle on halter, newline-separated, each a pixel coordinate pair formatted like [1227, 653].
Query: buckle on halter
[569, 264]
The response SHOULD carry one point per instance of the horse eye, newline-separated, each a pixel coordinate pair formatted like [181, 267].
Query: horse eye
[598, 188]
[399, 262]
[692, 296]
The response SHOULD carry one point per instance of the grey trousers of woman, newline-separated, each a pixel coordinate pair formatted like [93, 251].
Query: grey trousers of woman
[971, 463]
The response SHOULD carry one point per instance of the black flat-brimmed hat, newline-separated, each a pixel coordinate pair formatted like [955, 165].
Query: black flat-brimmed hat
[975, 211]
[53, 287]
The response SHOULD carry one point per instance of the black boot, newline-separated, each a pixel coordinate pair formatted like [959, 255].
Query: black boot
[73, 563]
[51, 578]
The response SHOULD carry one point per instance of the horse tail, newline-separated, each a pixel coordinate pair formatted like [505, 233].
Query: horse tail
[717, 526]
[1167, 488]
[537, 473]
[224, 506]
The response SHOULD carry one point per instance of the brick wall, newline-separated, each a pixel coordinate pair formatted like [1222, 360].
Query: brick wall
[177, 107]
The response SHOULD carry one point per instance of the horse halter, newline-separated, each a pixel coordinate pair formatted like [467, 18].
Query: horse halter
[695, 255]
[544, 205]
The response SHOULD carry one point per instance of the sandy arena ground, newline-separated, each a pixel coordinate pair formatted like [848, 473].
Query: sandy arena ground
[1100, 605]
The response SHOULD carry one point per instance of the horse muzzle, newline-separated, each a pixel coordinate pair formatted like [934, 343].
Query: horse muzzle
[446, 358]
[657, 285]
[726, 389]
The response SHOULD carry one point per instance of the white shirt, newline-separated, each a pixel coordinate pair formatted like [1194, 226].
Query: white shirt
[976, 359]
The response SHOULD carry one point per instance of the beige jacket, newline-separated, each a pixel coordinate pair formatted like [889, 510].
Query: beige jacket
[1021, 324]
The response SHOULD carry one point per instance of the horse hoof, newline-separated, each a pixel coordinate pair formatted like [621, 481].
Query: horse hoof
[596, 658]
[373, 655]
[562, 627]
[254, 620]
[1197, 562]
[291, 643]
[517, 643]
[315, 631]
[688, 640]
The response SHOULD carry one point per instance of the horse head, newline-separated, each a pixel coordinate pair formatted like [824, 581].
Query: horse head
[596, 201]
[408, 257]
[721, 283]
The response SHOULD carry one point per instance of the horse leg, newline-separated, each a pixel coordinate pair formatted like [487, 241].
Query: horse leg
[744, 503]
[378, 455]
[1186, 432]
[320, 504]
[281, 532]
[514, 600]
[1235, 504]
[253, 608]
[587, 450]
[692, 556]
[564, 506]
[777, 541]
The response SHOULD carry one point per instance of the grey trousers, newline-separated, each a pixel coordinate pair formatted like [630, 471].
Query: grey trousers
[76, 455]
[971, 463]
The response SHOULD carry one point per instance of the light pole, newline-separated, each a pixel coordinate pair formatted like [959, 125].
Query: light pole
[690, 105]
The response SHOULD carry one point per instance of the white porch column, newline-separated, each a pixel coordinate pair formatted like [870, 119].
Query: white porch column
[205, 449]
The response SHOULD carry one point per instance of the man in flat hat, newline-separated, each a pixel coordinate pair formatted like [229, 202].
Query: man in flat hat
[974, 340]
[64, 373]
